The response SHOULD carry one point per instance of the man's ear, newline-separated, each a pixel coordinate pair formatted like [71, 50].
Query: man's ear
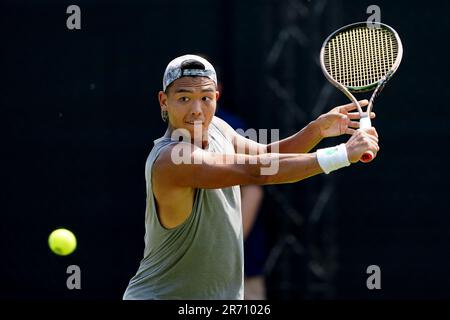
[217, 95]
[162, 98]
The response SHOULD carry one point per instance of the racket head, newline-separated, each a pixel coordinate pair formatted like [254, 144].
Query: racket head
[358, 58]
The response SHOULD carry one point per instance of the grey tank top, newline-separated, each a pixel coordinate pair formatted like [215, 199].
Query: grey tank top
[203, 257]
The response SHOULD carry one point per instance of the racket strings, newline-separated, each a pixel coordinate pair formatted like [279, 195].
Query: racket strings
[361, 56]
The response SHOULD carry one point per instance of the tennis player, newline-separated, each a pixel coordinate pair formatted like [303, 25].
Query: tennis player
[194, 238]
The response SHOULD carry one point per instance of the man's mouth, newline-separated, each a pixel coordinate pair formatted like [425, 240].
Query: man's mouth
[196, 122]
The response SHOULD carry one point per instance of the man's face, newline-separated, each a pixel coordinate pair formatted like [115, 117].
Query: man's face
[189, 101]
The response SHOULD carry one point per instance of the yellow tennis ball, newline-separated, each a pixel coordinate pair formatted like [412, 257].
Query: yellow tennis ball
[62, 242]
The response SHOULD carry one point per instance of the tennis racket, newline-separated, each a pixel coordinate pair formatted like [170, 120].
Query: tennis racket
[360, 58]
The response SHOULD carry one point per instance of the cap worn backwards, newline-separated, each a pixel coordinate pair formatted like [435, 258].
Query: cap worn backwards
[188, 65]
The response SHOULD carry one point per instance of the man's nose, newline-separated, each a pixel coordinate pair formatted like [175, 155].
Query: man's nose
[196, 108]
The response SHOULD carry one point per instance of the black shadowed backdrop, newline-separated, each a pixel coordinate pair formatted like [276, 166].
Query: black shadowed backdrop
[79, 113]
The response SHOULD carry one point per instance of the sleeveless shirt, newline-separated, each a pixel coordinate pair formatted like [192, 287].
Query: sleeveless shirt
[202, 258]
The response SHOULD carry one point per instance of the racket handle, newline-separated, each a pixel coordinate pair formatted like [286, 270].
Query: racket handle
[365, 123]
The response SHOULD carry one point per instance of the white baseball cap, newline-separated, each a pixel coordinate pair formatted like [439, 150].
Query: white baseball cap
[188, 65]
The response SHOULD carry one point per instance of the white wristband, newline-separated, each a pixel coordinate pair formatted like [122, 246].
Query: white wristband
[331, 159]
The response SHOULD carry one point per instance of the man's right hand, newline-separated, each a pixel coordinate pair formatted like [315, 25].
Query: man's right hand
[360, 142]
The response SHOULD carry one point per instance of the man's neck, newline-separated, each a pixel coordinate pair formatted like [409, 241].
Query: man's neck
[203, 138]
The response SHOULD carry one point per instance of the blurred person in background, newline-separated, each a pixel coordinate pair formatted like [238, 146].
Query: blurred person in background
[252, 196]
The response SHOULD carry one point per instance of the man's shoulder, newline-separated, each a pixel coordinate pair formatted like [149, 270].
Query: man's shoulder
[222, 125]
[164, 148]
[158, 145]
[160, 153]
[218, 121]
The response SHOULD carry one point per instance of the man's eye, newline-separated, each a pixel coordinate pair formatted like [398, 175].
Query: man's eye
[184, 99]
[206, 99]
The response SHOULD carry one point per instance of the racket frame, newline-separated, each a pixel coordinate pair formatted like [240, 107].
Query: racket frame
[379, 85]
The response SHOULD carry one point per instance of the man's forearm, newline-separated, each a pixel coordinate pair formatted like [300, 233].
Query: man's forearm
[289, 168]
[301, 142]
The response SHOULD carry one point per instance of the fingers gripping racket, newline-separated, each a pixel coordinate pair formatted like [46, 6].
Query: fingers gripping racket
[361, 58]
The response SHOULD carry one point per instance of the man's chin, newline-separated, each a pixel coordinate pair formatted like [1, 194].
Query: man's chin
[199, 130]
[192, 126]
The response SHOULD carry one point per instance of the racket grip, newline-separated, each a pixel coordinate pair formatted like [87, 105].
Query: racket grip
[365, 123]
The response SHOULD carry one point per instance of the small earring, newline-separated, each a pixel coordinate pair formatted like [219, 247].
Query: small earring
[164, 115]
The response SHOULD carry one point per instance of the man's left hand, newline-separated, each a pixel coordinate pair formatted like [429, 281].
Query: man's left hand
[338, 121]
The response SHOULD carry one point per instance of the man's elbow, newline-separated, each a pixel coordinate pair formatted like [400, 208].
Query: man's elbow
[259, 176]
